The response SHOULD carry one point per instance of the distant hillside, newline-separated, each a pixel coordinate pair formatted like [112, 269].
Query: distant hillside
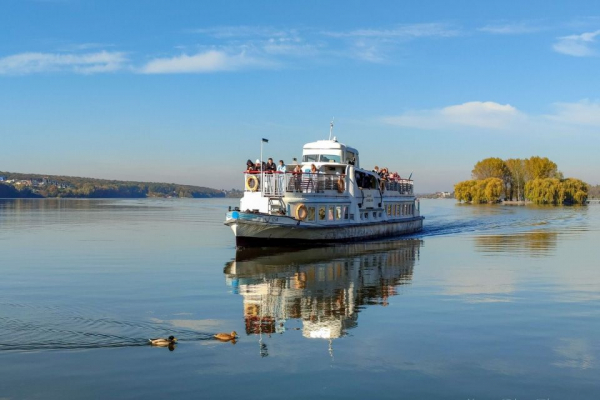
[37, 185]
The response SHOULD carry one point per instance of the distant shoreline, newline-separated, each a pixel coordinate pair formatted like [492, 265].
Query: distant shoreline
[23, 185]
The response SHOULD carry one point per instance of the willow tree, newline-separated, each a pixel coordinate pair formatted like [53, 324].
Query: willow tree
[493, 167]
[462, 191]
[556, 191]
[573, 191]
[543, 191]
[540, 168]
[479, 191]
[516, 167]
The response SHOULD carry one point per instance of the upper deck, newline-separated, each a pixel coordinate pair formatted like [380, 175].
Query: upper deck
[327, 168]
[279, 184]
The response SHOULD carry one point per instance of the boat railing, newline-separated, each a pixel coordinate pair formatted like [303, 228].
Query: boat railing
[403, 186]
[278, 183]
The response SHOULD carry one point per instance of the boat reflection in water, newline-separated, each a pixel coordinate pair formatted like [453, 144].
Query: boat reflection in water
[324, 288]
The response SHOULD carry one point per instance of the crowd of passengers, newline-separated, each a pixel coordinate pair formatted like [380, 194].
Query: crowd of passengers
[369, 181]
[268, 166]
[386, 175]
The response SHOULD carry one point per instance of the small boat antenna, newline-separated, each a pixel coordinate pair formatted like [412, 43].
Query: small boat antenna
[331, 127]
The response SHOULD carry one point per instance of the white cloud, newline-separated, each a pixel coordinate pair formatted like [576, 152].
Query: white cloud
[477, 114]
[375, 45]
[584, 112]
[231, 32]
[204, 62]
[514, 28]
[29, 63]
[577, 45]
[407, 31]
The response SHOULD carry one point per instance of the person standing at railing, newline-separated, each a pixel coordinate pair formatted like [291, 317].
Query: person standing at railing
[312, 178]
[250, 167]
[297, 178]
[268, 170]
[281, 177]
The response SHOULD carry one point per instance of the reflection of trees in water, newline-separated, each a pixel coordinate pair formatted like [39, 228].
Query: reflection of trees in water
[324, 288]
[538, 243]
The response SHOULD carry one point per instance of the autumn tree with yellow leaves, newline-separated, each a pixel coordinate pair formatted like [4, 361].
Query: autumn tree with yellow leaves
[535, 179]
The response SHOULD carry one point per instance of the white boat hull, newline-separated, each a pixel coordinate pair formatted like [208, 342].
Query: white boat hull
[266, 230]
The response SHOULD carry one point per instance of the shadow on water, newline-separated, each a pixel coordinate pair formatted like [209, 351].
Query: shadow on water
[323, 289]
[29, 328]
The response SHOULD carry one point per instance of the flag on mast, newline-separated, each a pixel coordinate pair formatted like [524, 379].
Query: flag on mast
[265, 140]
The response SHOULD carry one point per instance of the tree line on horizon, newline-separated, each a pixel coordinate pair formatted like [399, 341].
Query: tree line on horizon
[535, 179]
[77, 187]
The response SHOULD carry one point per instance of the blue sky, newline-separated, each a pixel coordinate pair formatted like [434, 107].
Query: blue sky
[183, 91]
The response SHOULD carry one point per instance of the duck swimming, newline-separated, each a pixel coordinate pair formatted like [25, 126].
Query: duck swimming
[226, 336]
[162, 342]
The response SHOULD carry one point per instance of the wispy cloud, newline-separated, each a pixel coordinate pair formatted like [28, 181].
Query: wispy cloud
[204, 62]
[244, 31]
[577, 45]
[407, 31]
[584, 112]
[477, 114]
[504, 118]
[511, 28]
[87, 63]
[377, 45]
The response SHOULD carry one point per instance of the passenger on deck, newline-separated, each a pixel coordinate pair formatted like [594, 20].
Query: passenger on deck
[376, 170]
[281, 166]
[270, 167]
[341, 183]
[250, 166]
[281, 177]
[359, 179]
[312, 179]
[297, 177]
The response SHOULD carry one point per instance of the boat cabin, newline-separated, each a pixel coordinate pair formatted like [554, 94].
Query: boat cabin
[328, 152]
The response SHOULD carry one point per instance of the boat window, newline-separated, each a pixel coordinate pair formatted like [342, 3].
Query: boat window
[338, 212]
[330, 213]
[374, 214]
[389, 209]
[330, 158]
[346, 212]
[321, 213]
[311, 213]
[380, 214]
[310, 158]
[398, 209]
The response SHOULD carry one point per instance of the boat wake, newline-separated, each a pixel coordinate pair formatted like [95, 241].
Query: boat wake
[30, 328]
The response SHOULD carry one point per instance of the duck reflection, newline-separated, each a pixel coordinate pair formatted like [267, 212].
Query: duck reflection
[538, 243]
[324, 288]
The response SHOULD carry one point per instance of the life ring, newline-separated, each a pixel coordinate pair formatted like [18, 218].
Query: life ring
[340, 186]
[301, 212]
[252, 183]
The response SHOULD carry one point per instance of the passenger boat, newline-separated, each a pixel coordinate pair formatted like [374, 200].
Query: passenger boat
[339, 202]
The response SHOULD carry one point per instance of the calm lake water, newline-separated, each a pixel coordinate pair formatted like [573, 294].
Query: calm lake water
[488, 302]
